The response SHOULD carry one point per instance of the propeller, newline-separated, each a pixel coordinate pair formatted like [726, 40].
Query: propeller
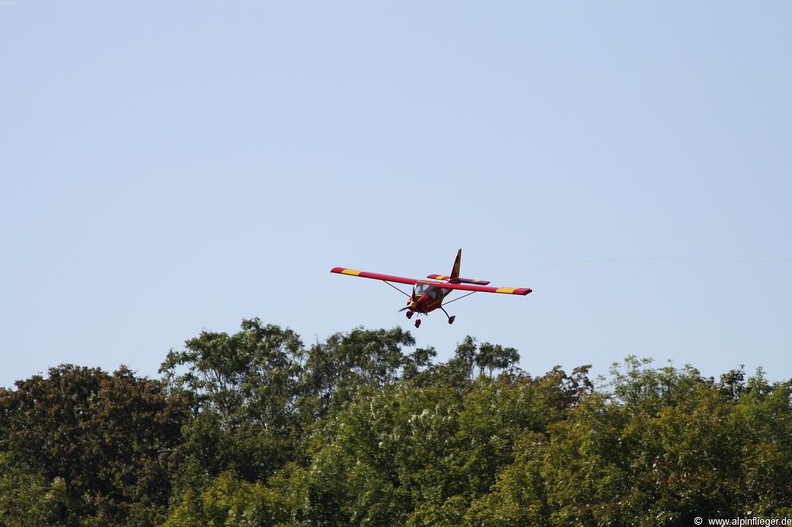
[412, 305]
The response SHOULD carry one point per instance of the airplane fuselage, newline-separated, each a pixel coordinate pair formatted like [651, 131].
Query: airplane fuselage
[426, 298]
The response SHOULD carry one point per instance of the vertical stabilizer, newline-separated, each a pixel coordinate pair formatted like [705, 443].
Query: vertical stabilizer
[455, 270]
[455, 278]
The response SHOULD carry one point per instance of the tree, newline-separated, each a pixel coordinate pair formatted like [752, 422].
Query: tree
[495, 357]
[485, 356]
[254, 429]
[250, 376]
[28, 498]
[383, 455]
[108, 439]
[247, 388]
[228, 500]
[346, 362]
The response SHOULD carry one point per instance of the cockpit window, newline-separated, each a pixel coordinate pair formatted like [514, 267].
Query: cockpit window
[423, 289]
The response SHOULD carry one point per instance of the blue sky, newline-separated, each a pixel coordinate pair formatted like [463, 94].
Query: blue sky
[168, 167]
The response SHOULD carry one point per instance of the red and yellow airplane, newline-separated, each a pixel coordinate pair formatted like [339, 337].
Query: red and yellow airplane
[428, 295]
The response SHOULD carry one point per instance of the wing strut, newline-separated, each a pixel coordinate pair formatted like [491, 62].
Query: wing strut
[458, 298]
[397, 289]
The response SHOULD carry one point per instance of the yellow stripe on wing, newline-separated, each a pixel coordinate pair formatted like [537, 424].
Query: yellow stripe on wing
[351, 272]
[505, 290]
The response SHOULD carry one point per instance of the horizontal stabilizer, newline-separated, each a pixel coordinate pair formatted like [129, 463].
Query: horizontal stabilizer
[457, 280]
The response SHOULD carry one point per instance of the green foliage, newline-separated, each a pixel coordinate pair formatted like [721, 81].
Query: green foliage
[248, 377]
[347, 362]
[100, 442]
[27, 498]
[254, 428]
[663, 447]
[227, 501]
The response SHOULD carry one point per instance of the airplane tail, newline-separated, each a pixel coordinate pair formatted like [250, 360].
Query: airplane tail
[455, 278]
[455, 269]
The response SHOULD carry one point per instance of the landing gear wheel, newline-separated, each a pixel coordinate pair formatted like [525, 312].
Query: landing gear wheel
[409, 314]
[417, 322]
[451, 319]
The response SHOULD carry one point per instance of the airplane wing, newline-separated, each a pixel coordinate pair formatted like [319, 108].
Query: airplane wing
[469, 287]
[375, 276]
[440, 285]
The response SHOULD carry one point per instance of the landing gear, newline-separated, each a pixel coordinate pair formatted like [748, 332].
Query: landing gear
[450, 318]
[409, 314]
[417, 322]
